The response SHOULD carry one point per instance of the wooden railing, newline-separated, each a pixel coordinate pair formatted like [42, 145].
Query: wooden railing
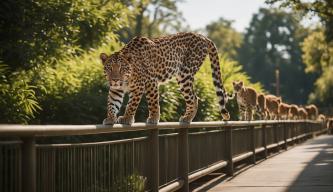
[163, 157]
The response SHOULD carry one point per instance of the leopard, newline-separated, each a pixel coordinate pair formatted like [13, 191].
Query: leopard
[144, 63]
[322, 118]
[302, 114]
[293, 112]
[247, 100]
[262, 110]
[272, 103]
[312, 111]
[284, 111]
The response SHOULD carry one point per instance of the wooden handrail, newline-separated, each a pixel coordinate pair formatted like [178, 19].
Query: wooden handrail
[60, 130]
[280, 133]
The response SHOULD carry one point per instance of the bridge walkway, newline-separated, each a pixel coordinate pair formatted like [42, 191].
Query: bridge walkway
[305, 168]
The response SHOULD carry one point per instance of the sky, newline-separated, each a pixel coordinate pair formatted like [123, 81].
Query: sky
[199, 13]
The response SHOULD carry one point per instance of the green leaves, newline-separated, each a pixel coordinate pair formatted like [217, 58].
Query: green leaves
[18, 102]
[321, 8]
[273, 41]
[225, 37]
[35, 32]
[318, 59]
[317, 54]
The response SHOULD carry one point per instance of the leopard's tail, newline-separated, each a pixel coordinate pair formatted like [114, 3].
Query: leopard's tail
[217, 80]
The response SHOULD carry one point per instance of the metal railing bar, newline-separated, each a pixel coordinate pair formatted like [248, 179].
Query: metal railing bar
[273, 145]
[206, 132]
[54, 130]
[242, 157]
[203, 172]
[168, 135]
[10, 142]
[90, 143]
[260, 149]
[173, 186]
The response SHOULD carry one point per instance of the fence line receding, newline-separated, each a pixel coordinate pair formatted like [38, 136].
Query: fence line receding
[165, 157]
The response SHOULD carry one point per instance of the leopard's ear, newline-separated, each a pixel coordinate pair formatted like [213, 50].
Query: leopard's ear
[103, 57]
[241, 83]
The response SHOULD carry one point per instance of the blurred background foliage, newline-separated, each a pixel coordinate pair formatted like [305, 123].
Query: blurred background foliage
[273, 41]
[317, 47]
[50, 72]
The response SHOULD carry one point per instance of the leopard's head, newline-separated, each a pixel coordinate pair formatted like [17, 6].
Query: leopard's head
[116, 70]
[238, 85]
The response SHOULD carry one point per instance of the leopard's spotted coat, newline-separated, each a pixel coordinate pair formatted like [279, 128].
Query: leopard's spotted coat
[143, 63]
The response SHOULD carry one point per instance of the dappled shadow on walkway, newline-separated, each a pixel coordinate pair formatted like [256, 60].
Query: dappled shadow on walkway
[305, 168]
[318, 173]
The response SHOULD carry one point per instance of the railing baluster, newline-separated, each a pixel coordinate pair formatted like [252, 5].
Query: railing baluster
[29, 164]
[264, 137]
[253, 145]
[285, 131]
[229, 150]
[154, 174]
[275, 137]
[183, 158]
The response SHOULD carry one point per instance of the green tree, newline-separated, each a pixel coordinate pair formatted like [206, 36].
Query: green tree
[317, 56]
[40, 43]
[225, 37]
[317, 47]
[273, 41]
[322, 8]
[36, 32]
[152, 18]
[73, 90]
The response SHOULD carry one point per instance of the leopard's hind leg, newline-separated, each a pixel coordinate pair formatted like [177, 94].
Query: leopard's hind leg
[186, 87]
[250, 113]
[153, 102]
[242, 112]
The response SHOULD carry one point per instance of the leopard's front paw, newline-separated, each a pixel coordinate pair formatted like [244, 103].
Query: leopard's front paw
[225, 115]
[109, 121]
[126, 120]
[185, 119]
[152, 120]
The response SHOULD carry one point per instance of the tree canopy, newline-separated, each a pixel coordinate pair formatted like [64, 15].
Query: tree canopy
[317, 47]
[317, 56]
[321, 8]
[152, 18]
[225, 37]
[273, 41]
[35, 32]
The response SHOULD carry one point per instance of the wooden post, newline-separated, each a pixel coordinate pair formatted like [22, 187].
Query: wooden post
[296, 132]
[293, 128]
[305, 130]
[312, 131]
[264, 134]
[253, 145]
[154, 173]
[230, 166]
[183, 158]
[275, 131]
[28, 165]
[285, 131]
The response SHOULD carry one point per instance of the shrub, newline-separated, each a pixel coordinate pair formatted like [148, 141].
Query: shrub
[18, 102]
